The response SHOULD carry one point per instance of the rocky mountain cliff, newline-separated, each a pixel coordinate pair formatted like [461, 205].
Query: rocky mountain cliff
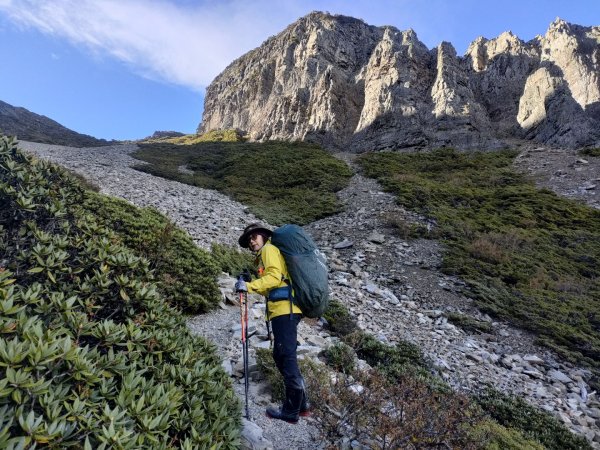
[29, 126]
[342, 83]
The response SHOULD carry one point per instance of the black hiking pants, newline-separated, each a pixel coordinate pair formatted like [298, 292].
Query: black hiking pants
[285, 333]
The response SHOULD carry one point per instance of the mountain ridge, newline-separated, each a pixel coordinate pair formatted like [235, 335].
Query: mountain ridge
[340, 82]
[29, 126]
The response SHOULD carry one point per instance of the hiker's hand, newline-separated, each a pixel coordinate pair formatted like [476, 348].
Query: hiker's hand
[240, 286]
[245, 275]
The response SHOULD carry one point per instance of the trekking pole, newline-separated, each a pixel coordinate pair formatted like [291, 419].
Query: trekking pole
[269, 336]
[244, 320]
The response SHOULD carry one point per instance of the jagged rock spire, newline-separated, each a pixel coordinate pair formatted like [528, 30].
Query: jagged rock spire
[345, 84]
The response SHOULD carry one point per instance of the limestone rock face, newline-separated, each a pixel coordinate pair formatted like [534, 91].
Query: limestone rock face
[394, 112]
[499, 69]
[458, 118]
[304, 83]
[344, 84]
[560, 103]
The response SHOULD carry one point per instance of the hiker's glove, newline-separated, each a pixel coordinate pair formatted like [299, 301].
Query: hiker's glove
[245, 275]
[240, 286]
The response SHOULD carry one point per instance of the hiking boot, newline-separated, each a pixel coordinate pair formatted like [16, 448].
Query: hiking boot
[290, 410]
[304, 405]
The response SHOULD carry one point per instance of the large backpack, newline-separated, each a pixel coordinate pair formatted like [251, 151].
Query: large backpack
[307, 267]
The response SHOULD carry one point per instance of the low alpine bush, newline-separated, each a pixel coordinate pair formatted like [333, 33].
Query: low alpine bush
[91, 355]
[341, 357]
[593, 152]
[469, 323]
[281, 182]
[516, 414]
[393, 361]
[527, 255]
[372, 411]
[339, 320]
[185, 274]
[230, 260]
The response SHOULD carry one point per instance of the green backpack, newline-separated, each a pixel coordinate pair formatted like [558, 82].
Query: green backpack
[307, 267]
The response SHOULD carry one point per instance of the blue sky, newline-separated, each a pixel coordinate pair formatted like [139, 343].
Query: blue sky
[121, 69]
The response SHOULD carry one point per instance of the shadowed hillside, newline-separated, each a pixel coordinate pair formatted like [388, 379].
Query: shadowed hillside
[29, 126]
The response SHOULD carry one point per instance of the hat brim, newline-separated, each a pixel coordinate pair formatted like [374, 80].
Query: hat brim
[244, 239]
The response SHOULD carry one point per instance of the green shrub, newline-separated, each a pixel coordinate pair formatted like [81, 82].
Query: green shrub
[393, 361]
[280, 182]
[341, 358]
[339, 320]
[401, 381]
[498, 437]
[232, 261]
[594, 152]
[406, 229]
[211, 136]
[515, 413]
[185, 274]
[469, 323]
[266, 366]
[91, 356]
[527, 255]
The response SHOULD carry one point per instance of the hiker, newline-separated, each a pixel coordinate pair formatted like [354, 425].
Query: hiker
[283, 315]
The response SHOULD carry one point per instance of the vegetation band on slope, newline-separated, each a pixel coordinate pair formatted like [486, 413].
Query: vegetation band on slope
[432, 413]
[528, 256]
[91, 356]
[184, 273]
[280, 182]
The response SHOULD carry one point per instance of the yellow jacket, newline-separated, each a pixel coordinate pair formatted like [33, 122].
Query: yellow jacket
[271, 270]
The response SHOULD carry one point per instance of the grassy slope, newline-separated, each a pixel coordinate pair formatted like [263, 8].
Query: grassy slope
[280, 182]
[528, 255]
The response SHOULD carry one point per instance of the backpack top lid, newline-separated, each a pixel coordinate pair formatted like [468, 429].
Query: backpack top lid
[292, 240]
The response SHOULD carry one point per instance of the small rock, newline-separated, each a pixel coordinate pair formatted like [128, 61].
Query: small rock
[506, 362]
[344, 244]
[317, 341]
[541, 392]
[371, 288]
[557, 375]
[227, 367]
[533, 359]
[260, 344]
[376, 238]
[474, 357]
[433, 313]
[534, 374]
[370, 248]
[391, 297]
[355, 269]
[564, 417]
[409, 304]
[308, 350]
[356, 388]
[252, 437]
[594, 412]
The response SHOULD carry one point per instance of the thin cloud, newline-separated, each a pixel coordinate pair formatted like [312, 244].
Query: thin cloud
[184, 45]
[185, 42]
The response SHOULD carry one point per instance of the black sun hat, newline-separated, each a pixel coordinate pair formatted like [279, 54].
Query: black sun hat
[244, 239]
